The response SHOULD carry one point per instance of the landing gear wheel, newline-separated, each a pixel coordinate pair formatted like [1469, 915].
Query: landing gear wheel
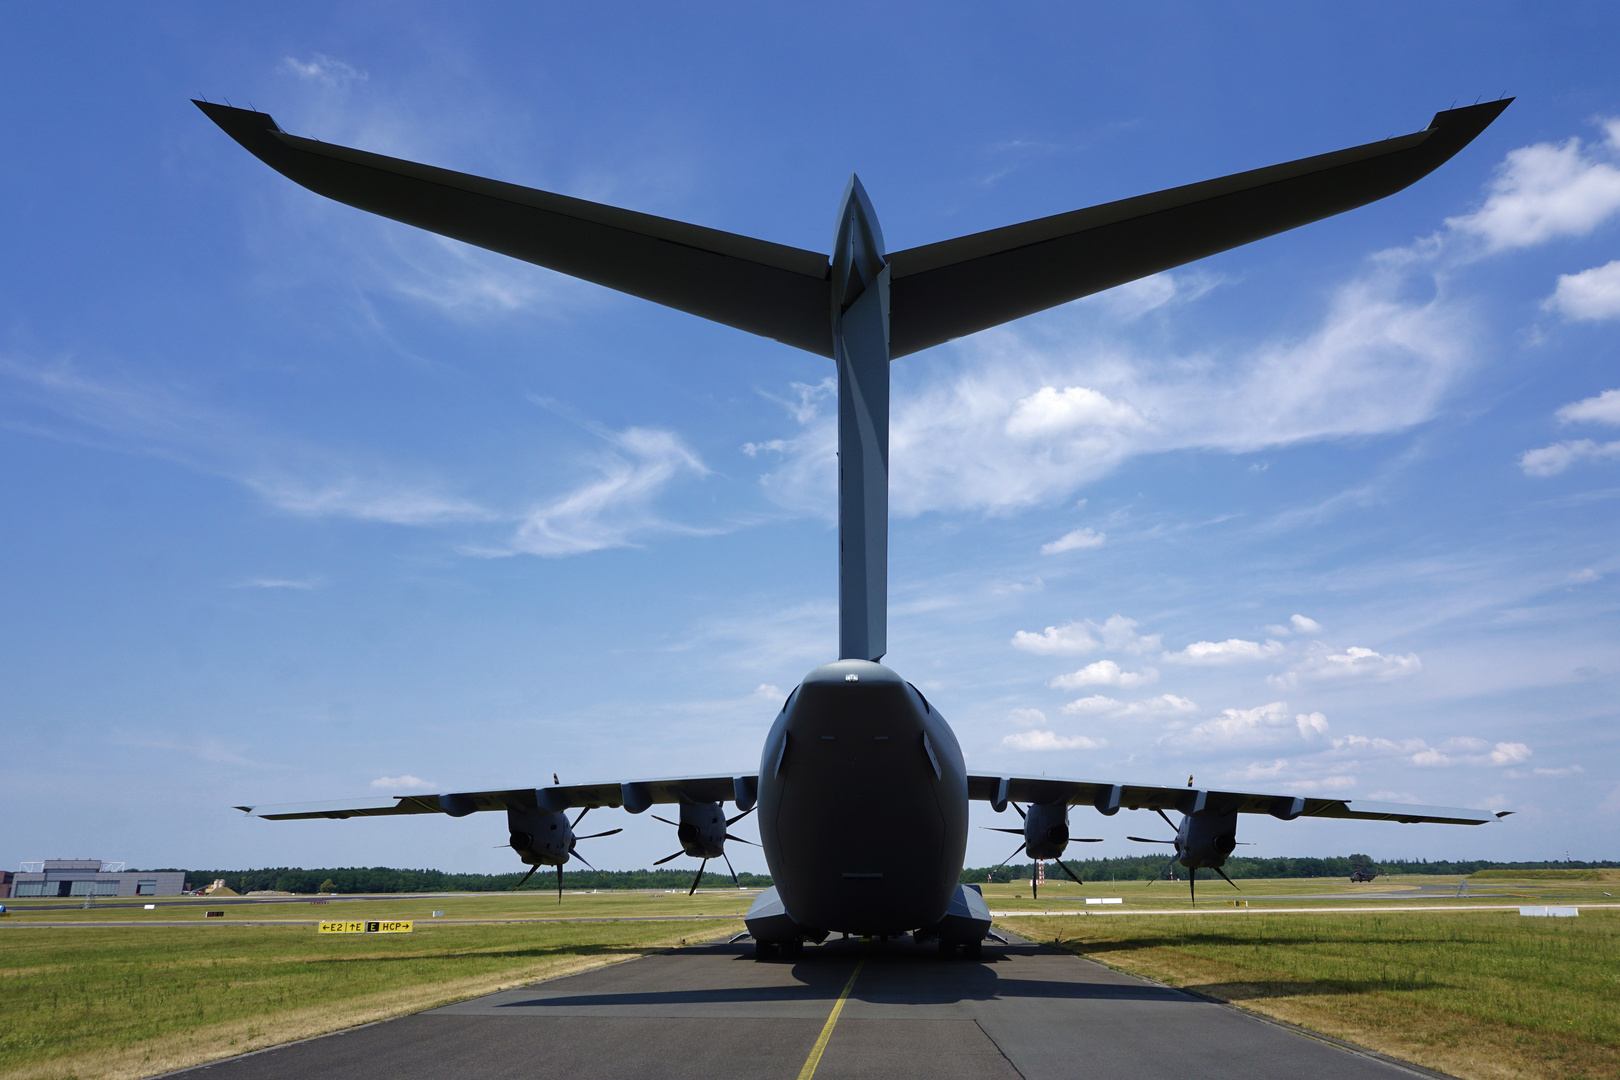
[792, 950]
[946, 949]
[762, 950]
[972, 950]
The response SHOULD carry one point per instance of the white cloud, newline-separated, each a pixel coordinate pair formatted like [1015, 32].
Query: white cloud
[367, 500]
[1136, 298]
[1117, 632]
[1067, 640]
[1049, 740]
[1026, 717]
[1230, 651]
[1546, 191]
[768, 692]
[1590, 295]
[614, 509]
[1602, 409]
[1024, 415]
[275, 583]
[1105, 673]
[1074, 541]
[1246, 727]
[321, 68]
[1354, 663]
[1050, 411]
[402, 783]
[1304, 625]
[1461, 750]
[1151, 708]
[1554, 459]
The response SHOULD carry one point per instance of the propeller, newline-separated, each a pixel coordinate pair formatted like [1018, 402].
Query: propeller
[526, 877]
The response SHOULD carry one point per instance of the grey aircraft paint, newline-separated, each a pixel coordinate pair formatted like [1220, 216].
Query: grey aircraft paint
[862, 790]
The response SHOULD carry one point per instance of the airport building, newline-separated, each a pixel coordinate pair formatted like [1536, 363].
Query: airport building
[92, 877]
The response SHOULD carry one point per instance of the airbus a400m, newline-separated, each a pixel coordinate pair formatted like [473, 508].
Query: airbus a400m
[855, 743]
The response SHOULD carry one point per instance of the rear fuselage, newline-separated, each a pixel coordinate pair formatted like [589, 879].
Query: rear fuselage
[863, 809]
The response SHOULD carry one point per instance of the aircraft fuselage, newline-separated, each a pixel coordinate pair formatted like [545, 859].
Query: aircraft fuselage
[863, 807]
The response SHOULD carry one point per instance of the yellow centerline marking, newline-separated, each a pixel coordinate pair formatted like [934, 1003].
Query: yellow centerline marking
[816, 1051]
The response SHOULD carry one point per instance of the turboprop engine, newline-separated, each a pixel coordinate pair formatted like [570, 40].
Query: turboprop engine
[702, 833]
[1203, 841]
[1046, 835]
[546, 838]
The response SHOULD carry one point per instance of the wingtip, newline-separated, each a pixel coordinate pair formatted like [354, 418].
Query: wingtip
[244, 809]
[234, 119]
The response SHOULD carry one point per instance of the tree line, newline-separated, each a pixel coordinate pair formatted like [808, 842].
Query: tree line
[385, 879]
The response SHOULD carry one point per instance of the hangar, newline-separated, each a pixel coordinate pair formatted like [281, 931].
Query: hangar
[92, 877]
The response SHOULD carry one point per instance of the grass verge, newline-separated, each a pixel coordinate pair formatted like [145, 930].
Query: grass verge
[1479, 995]
[111, 1004]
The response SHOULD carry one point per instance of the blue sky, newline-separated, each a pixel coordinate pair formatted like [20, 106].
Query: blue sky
[301, 503]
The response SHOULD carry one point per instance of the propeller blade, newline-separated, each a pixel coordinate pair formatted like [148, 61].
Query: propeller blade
[734, 879]
[1192, 883]
[1085, 839]
[581, 858]
[990, 828]
[526, 877]
[559, 883]
[740, 840]
[1224, 878]
[594, 835]
[1145, 840]
[730, 821]
[1071, 873]
[1016, 807]
[1009, 858]
[1034, 887]
[697, 879]
[581, 818]
[1168, 822]
[665, 820]
[666, 858]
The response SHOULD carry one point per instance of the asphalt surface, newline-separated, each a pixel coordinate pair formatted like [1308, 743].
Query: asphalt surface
[712, 1011]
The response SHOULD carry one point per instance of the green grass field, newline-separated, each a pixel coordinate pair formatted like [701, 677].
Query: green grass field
[116, 1003]
[1477, 994]
[1472, 992]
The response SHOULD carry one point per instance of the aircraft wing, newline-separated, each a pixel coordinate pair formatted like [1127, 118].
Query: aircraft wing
[1110, 798]
[768, 289]
[956, 287]
[635, 796]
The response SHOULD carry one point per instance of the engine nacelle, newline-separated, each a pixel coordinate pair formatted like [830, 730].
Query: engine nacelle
[1046, 830]
[539, 836]
[1206, 839]
[702, 829]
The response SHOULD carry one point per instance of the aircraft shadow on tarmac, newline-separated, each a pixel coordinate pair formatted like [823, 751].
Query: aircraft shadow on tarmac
[902, 976]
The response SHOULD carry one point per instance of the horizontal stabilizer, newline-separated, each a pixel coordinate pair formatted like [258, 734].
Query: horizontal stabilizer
[958, 287]
[764, 288]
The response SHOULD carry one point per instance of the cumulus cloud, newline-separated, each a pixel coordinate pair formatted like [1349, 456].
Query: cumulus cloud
[1462, 750]
[1602, 409]
[1304, 625]
[1050, 740]
[1354, 663]
[1554, 459]
[1117, 634]
[1074, 541]
[1164, 705]
[402, 783]
[1548, 191]
[1589, 295]
[1245, 727]
[1230, 651]
[1105, 673]
[1070, 639]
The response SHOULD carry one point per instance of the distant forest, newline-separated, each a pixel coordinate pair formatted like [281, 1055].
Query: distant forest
[383, 879]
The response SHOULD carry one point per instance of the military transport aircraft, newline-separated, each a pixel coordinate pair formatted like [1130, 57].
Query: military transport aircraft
[855, 744]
